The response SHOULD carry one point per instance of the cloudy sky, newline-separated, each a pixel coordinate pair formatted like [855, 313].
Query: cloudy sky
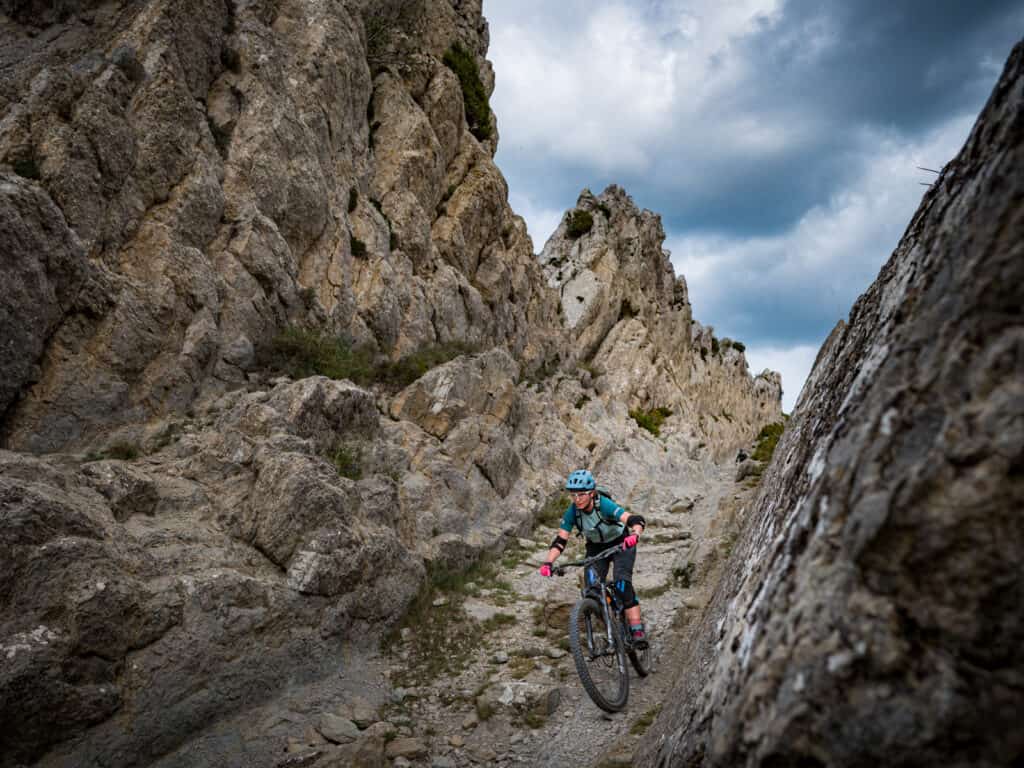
[778, 139]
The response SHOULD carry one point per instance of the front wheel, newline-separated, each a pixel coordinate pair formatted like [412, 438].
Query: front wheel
[600, 662]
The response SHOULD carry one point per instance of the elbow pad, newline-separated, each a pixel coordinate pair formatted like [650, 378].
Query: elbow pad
[558, 543]
[636, 520]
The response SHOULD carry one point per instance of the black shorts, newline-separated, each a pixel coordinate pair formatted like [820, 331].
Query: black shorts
[623, 560]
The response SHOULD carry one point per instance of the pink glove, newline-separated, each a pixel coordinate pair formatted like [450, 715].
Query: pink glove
[630, 541]
[545, 570]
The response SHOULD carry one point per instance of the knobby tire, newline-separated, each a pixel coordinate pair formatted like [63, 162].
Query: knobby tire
[613, 700]
[641, 661]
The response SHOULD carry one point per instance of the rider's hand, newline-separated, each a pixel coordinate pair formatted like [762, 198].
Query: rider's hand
[545, 570]
[630, 541]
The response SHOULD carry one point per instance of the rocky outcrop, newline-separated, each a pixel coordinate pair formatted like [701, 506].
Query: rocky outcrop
[213, 172]
[173, 590]
[630, 322]
[872, 611]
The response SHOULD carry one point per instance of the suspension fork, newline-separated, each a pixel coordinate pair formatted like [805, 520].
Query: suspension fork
[609, 619]
[609, 627]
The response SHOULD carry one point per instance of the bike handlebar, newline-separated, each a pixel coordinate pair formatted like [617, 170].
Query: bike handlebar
[559, 570]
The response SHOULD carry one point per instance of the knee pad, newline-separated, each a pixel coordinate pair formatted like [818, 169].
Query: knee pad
[626, 593]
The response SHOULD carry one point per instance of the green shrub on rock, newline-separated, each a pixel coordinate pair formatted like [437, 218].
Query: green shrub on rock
[474, 96]
[580, 222]
[651, 420]
[767, 439]
[301, 353]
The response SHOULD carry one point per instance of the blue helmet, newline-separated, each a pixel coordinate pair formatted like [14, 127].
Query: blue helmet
[580, 480]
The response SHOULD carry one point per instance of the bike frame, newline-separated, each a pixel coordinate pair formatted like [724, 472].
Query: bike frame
[601, 589]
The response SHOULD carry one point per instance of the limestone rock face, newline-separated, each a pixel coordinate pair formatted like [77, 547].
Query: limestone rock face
[873, 611]
[223, 565]
[189, 178]
[630, 321]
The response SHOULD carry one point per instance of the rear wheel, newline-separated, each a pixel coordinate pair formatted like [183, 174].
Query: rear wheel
[601, 663]
[641, 660]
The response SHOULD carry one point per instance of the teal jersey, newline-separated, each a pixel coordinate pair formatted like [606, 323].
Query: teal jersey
[600, 525]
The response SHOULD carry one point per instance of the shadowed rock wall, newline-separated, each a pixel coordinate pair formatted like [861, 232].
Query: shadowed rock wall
[872, 611]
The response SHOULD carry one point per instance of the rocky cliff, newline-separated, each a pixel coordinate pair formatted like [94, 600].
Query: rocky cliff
[184, 532]
[871, 612]
[629, 315]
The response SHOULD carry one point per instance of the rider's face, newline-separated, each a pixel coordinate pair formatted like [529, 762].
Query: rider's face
[583, 499]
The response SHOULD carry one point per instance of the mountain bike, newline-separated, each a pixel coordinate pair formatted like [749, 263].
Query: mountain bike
[600, 640]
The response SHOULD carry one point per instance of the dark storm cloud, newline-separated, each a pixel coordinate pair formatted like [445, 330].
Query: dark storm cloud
[903, 65]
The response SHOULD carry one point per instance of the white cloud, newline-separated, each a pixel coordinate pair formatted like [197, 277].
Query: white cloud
[607, 94]
[819, 267]
[794, 363]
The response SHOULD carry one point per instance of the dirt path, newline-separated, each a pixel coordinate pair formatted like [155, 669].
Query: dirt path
[481, 676]
[517, 699]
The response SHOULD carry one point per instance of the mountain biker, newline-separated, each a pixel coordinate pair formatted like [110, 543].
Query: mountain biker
[604, 524]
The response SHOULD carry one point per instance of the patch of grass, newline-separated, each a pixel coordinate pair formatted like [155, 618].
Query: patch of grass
[497, 621]
[404, 372]
[685, 575]
[739, 346]
[301, 353]
[767, 439]
[651, 420]
[605, 210]
[353, 199]
[484, 710]
[123, 451]
[550, 514]
[715, 347]
[348, 461]
[534, 720]
[512, 557]
[645, 720]
[579, 223]
[474, 96]
[520, 666]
